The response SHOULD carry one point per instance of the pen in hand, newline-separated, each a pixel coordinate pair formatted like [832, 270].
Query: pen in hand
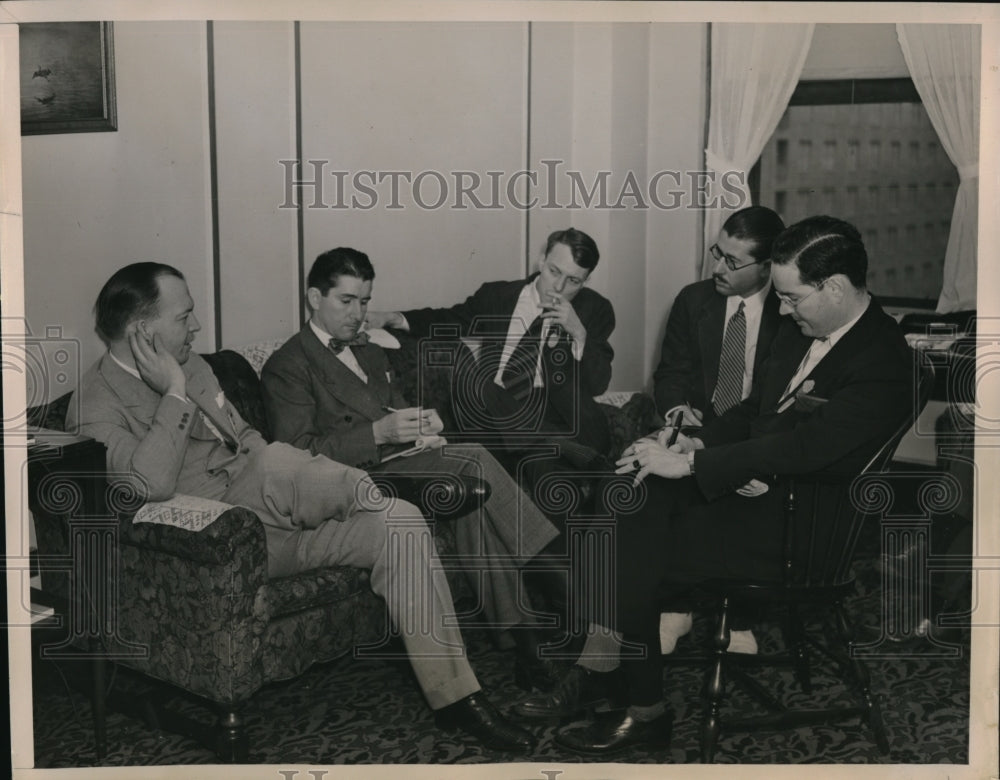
[676, 423]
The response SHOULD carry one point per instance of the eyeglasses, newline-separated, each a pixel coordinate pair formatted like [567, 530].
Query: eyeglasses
[732, 263]
[795, 304]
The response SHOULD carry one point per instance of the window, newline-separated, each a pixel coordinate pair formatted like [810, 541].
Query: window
[864, 150]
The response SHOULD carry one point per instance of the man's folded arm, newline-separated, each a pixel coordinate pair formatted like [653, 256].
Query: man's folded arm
[860, 415]
[420, 321]
[291, 410]
[154, 462]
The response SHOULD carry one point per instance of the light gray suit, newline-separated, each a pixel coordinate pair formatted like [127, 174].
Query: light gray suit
[316, 512]
[316, 402]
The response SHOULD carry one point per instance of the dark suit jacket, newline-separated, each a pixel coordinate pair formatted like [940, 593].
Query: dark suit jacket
[692, 345]
[690, 530]
[486, 313]
[861, 390]
[317, 403]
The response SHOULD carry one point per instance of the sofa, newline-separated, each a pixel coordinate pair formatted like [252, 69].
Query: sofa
[200, 606]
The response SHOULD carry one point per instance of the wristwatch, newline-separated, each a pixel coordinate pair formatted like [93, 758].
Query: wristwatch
[691, 461]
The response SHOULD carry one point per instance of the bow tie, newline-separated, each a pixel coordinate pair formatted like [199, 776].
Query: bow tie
[358, 341]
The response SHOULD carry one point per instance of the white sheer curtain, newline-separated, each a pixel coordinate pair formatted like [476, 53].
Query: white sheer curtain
[755, 68]
[944, 63]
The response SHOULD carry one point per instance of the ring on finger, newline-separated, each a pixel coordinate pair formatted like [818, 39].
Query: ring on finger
[636, 465]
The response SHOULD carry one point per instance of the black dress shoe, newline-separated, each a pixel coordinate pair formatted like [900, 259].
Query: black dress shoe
[616, 731]
[578, 689]
[475, 715]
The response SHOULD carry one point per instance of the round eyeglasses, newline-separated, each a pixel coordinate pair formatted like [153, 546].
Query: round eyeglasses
[732, 263]
[795, 304]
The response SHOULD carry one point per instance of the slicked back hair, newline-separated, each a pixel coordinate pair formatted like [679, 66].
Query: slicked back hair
[132, 293]
[758, 224]
[582, 246]
[821, 247]
[334, 263]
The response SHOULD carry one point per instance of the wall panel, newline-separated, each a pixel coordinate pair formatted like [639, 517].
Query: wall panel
[425, 100]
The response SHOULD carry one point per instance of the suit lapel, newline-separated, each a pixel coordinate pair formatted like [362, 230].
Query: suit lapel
[825, 373]
[711, 324]
[339, 381]
[205, 393]
[141, 400]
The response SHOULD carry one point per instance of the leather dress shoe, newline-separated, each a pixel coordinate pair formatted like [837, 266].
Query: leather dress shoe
[578, 689]
[476, 716]
[615, 731]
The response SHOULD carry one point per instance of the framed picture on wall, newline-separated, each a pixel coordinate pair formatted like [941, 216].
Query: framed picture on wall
[67, 78]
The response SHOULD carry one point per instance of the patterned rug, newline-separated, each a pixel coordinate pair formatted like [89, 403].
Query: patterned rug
[371, 712]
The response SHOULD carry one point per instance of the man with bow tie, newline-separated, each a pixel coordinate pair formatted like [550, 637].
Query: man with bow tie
[837, 382]
[331, 392]
[159, 410]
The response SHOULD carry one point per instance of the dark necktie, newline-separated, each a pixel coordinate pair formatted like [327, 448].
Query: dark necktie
[519, 374]
[732, 363]
[358, 341]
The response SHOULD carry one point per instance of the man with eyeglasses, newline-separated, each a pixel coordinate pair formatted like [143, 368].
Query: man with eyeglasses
[719, 329]
[836, 384]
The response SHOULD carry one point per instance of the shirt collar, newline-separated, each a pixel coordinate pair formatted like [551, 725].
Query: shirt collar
[321, 334]
[131, 370]
[752, 304]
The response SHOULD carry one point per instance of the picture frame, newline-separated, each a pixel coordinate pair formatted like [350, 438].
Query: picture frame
[67, 78]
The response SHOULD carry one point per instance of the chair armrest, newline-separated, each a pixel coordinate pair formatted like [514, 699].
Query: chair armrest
[231, 534]
[439, 496]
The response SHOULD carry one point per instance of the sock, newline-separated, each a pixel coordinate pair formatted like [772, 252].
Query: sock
[601, 651]
[648, 712]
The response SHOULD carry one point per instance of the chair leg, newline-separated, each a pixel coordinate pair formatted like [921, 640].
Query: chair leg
[799, 649]
[873, 712]
[715, 687]
[233, 746]
[99, 704]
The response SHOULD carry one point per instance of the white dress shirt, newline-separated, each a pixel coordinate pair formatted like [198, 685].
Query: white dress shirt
[526, 310]
[345, 355]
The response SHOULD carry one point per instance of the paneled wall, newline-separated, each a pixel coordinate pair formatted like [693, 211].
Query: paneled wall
[217, 107]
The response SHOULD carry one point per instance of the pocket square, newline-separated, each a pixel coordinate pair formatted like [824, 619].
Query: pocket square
[220, 399]
[753, 488]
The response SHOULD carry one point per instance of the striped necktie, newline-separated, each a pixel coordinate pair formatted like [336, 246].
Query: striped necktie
[732, 363]
[519, 374]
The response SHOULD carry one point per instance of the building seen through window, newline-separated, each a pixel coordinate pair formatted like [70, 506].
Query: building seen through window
[866, 152]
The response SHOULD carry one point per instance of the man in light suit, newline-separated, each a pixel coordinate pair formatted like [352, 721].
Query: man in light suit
[159, 410]
[328, 390]
[837, 383]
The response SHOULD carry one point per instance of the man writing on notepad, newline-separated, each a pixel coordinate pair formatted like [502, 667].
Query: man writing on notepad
[330, 391]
